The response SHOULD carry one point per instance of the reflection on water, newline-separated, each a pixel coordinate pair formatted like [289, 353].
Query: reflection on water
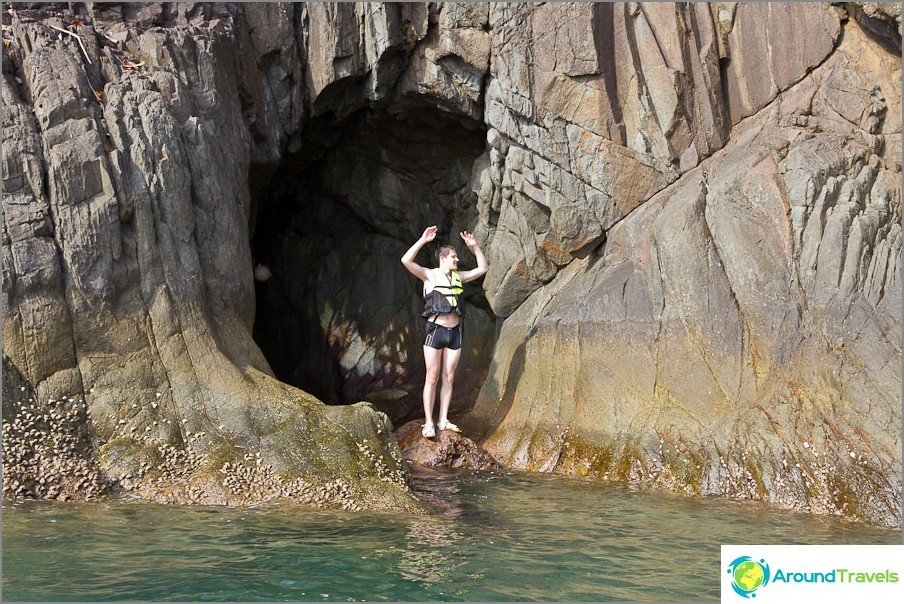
[426, 557]
[431, 543]
[494, 537]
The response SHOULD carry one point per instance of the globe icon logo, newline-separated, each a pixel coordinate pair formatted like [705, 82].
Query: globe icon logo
[748, 575]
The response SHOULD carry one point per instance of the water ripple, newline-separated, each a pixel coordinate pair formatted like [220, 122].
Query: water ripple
[495, 537]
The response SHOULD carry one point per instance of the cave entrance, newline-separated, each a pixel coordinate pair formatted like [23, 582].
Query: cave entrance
[339, 316]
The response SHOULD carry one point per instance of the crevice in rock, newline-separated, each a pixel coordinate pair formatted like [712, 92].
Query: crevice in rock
[878, 26]
[339, 316]
[725, 98]
[604, 42]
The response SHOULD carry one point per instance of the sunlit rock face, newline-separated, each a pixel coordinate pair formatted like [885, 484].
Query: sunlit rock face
[691, 213]
[737, 333]
[127, 256]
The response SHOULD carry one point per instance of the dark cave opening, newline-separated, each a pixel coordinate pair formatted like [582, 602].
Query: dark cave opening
[338, 317]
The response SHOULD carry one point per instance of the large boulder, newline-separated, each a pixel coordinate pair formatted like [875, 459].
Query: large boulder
[446, 450]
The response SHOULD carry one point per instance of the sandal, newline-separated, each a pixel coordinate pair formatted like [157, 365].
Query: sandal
[428, 431]
[449, 426]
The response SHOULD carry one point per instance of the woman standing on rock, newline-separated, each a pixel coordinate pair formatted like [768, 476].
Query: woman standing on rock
[442, 309]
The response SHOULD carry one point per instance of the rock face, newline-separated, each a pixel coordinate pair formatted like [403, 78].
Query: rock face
[739, 332]
[691, 213]
[127, 267]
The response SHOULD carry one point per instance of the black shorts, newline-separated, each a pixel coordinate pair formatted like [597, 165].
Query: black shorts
[440, 336]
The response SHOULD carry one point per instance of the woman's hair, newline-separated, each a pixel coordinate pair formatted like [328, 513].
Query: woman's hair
[443, 251]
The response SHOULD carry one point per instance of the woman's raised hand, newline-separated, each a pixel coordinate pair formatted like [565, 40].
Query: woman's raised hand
[470, 240]
[429, 234]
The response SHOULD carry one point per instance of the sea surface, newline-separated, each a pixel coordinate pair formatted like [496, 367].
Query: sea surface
[495, 536]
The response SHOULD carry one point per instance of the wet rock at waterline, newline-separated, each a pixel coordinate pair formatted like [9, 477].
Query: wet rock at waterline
[445, 450]
[691, 212]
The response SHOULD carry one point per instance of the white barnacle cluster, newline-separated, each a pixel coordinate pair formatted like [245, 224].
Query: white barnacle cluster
[384, 473]
[47, 452]
[251, 480]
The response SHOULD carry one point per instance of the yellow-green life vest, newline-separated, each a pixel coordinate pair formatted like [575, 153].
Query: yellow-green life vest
[444, 298]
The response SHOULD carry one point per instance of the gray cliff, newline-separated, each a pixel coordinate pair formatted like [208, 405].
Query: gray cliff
[691, 211]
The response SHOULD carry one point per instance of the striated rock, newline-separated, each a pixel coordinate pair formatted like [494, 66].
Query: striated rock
[446, 450]
[448, 68]
[128, 274]
[271, 109]
[356, 51]
[738, 334]
[769, 48]
[615, 103]
[691, 212]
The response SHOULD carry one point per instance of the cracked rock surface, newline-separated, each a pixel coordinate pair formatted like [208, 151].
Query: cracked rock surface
[127, 276]
[739, 333]
[691, 212]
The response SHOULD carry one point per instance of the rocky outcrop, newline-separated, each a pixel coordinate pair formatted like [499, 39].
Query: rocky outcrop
[617, 101]
[446, 450]
[738, 333]
[691, 213]
[127, 269]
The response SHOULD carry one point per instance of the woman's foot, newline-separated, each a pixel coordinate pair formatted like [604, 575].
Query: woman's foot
[428, 431]
[447, 425]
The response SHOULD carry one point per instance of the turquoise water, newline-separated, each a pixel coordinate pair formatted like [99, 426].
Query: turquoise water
[495, 537]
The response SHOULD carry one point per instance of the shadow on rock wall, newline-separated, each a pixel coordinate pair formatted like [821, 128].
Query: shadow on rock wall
[340, 316]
